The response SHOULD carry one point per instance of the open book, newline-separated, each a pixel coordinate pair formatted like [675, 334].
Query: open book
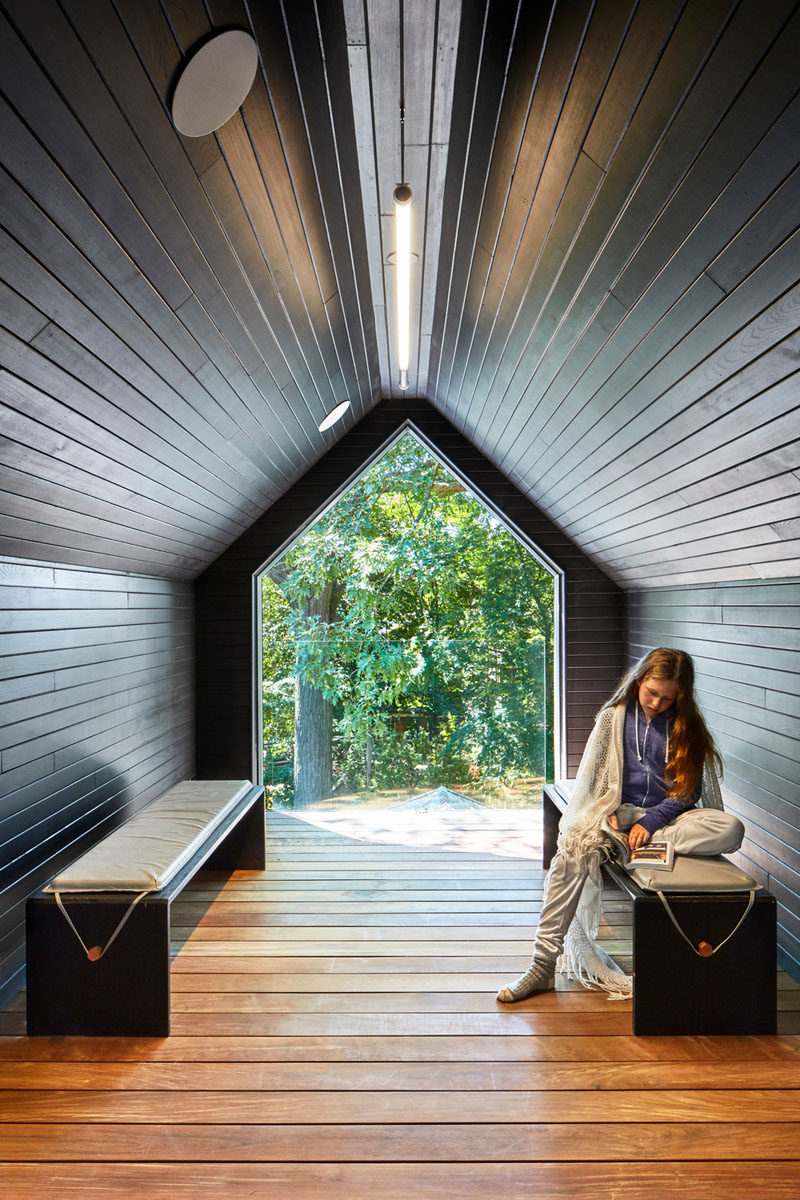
[658, 856]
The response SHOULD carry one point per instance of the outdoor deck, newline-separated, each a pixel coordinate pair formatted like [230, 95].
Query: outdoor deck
[336, 1036]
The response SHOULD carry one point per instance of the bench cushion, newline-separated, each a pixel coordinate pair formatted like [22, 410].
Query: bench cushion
[695, 874]
[148, 850]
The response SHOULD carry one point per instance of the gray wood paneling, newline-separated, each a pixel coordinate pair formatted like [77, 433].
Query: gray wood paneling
[745, 640]
[96, 717]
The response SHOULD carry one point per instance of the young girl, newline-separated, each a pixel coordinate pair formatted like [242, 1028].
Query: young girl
[649, 760]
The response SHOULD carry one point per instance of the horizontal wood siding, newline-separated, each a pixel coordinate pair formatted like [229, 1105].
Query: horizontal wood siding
[593, 610]
[96, 718]
[744, 639]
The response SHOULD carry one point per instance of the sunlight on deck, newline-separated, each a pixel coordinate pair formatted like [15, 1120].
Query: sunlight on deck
[509, 833]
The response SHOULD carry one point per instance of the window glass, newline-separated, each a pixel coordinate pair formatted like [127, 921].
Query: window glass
[407, 646]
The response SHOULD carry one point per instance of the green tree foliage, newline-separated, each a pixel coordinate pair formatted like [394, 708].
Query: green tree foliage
[434, 642]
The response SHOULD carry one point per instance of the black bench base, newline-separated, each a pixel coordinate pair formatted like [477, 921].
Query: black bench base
[126, 993]
[675, 991]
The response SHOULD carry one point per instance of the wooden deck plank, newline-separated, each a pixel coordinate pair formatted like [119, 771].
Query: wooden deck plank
[397, 947]
[465, 986]
[476, 1142]
[514, 1023]
[251, 913]
[273, 913]
[519, 1023]
[481, 1001]
[247, 932]
[374, 882]
[601, 1077]
[455, 876]
[477, 1048]
[263, 1107]
[319, 898]
[335, 985]
[388, 1181]
[336, 964]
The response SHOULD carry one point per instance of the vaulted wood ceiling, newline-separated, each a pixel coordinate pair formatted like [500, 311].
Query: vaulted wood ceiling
[605, 293]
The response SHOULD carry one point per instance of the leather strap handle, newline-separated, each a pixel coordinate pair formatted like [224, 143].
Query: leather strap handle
[704, 949]
[95, 953]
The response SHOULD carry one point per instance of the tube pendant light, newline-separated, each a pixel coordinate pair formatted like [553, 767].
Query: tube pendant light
[402, 225]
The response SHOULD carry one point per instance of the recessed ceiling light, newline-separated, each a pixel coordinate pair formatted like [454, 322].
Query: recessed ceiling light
[333, 416]
[214, 83]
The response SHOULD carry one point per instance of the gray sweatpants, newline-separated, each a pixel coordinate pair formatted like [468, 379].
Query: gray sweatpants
[700, 831]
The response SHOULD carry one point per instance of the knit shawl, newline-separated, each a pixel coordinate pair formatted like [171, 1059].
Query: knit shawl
[583, 833]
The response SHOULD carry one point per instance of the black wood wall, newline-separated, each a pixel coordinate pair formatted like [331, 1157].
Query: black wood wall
[744, 639]
[97, 708]
[593, 606]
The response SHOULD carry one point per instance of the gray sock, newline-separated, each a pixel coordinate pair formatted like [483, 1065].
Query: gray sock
[539, 977]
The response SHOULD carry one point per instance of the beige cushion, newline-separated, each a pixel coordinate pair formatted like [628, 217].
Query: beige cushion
[150, 848]
[693, 873]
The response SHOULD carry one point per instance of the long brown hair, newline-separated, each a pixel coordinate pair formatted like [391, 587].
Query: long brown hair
[690, 742]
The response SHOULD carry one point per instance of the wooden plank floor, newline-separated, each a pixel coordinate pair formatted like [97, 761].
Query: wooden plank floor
[335, 1036]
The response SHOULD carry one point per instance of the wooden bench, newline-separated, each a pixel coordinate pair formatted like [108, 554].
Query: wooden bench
[676, 991]
[71, 989]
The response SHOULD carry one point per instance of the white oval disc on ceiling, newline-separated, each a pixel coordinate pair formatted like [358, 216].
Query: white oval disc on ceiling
[333, 416]
[214, 82]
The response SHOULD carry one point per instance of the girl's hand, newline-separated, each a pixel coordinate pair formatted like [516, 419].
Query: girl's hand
[638, 836]
[612, 820]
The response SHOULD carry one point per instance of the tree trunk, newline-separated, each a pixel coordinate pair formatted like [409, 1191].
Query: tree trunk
[368, 769]
[313, 723]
